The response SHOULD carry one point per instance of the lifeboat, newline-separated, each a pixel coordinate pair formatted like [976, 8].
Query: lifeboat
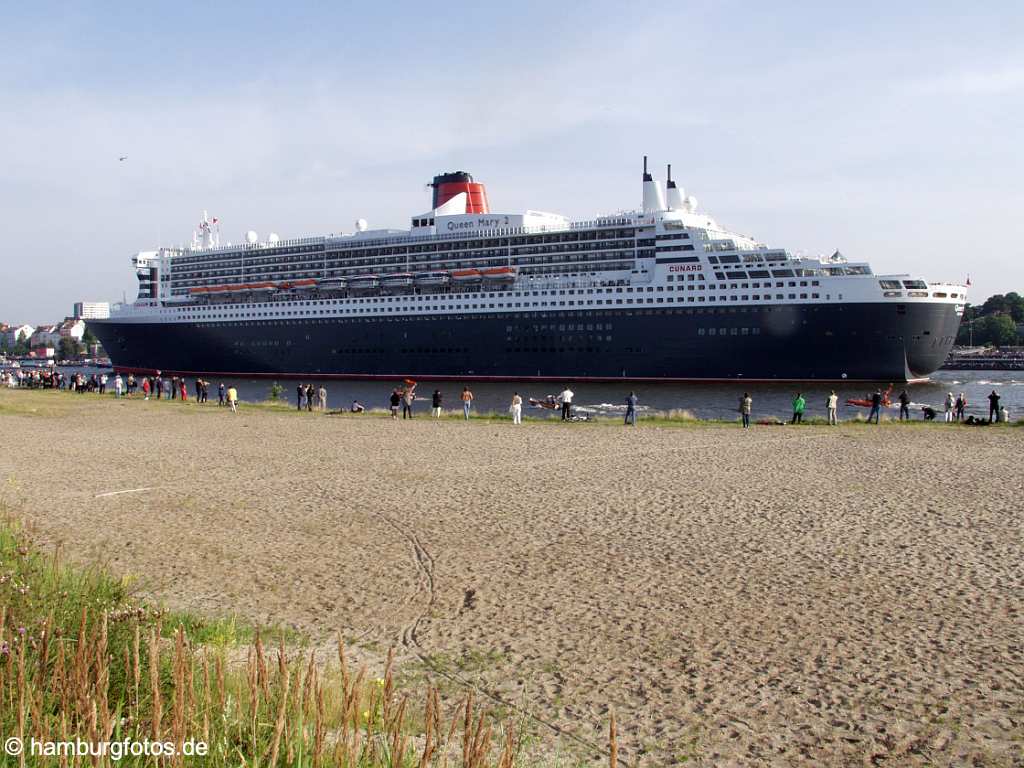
[199, 290]
[263, 287]
[333, 284]
[364, 283]
[499, 274]
[464, 276]
[402, 281]
[306, 284]
[437, 279]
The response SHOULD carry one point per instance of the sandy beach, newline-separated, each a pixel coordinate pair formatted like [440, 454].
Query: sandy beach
[775, 596]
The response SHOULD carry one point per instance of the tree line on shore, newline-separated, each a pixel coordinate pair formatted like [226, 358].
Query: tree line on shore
[996, 322]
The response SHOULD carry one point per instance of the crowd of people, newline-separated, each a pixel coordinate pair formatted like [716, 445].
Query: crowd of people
[403, 398]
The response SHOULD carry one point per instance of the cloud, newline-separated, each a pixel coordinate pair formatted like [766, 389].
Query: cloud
[975, 82]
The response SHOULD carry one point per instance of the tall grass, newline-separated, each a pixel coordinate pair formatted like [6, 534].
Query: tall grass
[80, 659]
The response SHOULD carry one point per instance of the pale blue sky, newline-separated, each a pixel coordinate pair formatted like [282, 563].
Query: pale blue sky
[893, 135]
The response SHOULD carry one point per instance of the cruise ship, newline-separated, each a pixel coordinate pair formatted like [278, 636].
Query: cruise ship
[660, 293]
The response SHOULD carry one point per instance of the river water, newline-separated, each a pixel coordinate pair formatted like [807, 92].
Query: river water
[702, 400]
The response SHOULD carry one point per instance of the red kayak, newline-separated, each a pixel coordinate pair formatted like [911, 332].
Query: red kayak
[865, 402]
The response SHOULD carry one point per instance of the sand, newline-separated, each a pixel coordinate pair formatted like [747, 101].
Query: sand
[777, 596]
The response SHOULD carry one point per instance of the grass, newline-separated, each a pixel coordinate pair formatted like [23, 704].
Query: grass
[81, 658]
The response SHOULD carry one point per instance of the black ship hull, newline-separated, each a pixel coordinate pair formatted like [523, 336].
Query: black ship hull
[873, 342]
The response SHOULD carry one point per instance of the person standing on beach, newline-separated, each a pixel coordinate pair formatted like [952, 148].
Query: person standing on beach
[118, 387]
[961, 404]
[183, 389]
[746, 406]
[467, 402]
[516, 408]
[904, 405]
[950, 405]
[798, 408]
[631, 401]
[158, 385]
[145, 388]
[435, 404]
[310, 395]
[876, 406]
[565, 398]
[199, 390]
[993, 406]
[220, 392]
[232, 399]
[408, 397]
[300, 395]
[396, 400]
[832, 407]
[174, 388]
[322, 395]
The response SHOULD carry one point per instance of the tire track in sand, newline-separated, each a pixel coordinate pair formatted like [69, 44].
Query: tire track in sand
[425, 565]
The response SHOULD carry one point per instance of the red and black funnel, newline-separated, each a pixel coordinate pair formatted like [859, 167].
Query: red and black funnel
[448, 185]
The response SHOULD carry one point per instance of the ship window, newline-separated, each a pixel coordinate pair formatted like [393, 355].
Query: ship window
[915, 284]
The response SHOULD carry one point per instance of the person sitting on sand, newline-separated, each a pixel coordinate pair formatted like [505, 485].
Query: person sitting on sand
[357, 407]
[928, 412]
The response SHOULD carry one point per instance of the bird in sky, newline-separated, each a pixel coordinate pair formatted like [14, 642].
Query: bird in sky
[122, 158]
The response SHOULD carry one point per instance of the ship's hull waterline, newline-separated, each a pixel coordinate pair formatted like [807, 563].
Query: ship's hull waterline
[862, 341]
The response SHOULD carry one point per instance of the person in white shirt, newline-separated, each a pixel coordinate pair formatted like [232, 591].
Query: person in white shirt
[517, 409]
[950, 406]
[566, 400]
[833, 405]
[118, 386]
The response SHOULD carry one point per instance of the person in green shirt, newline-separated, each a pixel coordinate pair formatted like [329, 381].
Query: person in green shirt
[798, 408]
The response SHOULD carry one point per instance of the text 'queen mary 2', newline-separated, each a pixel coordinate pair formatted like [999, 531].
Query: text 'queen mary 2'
[660, 293]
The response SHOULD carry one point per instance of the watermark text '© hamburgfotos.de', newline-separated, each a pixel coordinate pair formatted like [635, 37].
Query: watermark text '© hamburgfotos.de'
[33, 747]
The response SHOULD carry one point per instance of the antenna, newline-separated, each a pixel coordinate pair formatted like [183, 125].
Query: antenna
[670, 174]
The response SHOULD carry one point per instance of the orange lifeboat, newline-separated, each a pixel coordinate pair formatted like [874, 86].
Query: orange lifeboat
[466, 276]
